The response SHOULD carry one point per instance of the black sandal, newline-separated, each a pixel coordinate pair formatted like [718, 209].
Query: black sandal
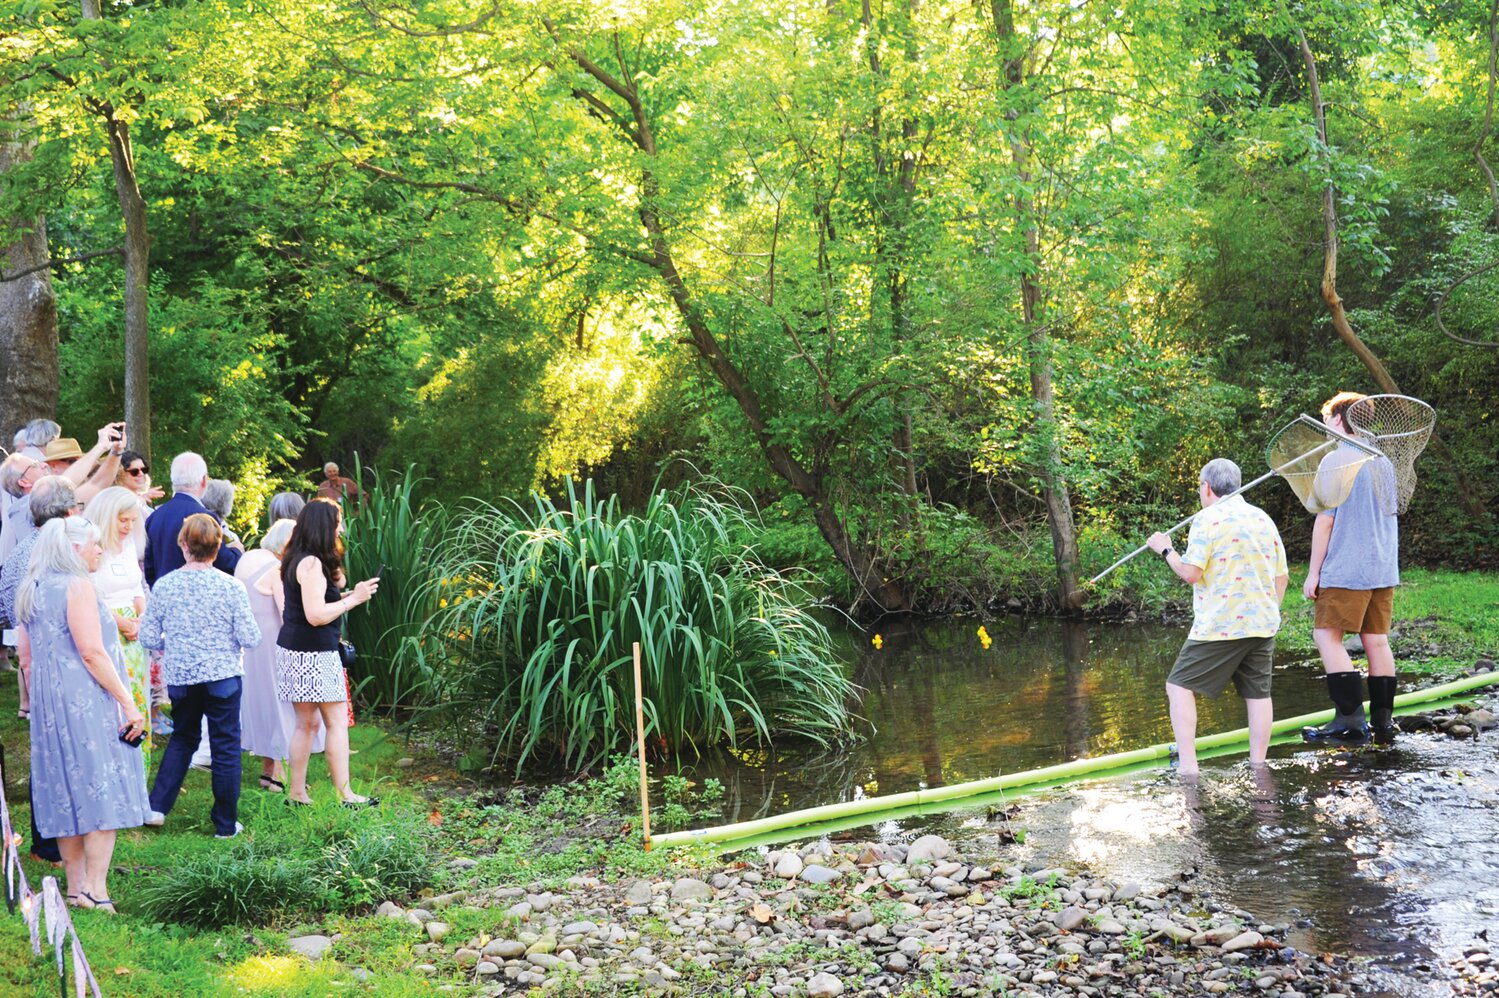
[271, 783]
[102, 903]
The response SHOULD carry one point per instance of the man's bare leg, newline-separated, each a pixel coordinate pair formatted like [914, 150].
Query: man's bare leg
[1183, 704]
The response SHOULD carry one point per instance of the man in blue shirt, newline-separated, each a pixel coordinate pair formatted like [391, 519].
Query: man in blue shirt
[1354, 569]
[189, 479]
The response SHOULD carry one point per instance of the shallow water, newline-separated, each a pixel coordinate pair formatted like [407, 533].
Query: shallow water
[1385, 853]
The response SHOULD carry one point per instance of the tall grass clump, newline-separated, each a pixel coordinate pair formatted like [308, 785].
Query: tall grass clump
[539, 607]
[390, 529]
[336, 861]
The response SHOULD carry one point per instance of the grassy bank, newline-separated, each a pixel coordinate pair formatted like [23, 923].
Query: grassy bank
[200, 916]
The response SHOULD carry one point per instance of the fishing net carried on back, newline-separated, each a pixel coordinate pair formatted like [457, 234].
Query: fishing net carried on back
[1400, 427]
[1386, 433]
[1320, 464]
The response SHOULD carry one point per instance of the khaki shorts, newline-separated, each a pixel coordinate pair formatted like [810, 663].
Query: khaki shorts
[1354, 611]
[1205, 667]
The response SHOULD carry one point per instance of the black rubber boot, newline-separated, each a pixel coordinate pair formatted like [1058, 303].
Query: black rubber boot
[1382, 707]
[1349, 727]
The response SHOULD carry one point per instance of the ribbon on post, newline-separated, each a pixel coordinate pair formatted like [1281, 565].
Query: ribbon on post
[51, 903]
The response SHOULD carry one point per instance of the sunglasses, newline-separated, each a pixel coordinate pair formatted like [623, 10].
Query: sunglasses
[137, 471]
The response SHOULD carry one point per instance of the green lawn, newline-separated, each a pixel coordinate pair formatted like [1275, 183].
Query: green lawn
[1445, 620]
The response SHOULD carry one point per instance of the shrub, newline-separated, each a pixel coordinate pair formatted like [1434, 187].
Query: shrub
[539, 609]
[390, 670]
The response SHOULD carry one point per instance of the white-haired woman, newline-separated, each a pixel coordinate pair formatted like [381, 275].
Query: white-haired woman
[116, 513]
[88, 781]
[267, 723]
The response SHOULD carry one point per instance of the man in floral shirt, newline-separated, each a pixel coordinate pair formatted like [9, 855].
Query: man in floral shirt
[1236, 566]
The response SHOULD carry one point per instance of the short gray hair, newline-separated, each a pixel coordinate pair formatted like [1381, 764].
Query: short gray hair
[286, 506]
[1222, 476]
[188, 470]
[219, 497]
[55, 553]
[41, 432]
[12, 471]
[276, 539]
[52, 498]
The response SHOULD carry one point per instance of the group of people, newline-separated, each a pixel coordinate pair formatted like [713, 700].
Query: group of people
[117, 607]
[1236, 566]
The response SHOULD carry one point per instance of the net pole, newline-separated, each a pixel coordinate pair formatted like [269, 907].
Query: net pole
[1236, 492]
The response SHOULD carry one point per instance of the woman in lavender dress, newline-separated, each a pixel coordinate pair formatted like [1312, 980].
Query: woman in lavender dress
[87, 783]
[267, 723]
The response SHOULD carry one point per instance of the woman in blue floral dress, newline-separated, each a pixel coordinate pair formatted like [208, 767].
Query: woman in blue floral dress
[87, 782]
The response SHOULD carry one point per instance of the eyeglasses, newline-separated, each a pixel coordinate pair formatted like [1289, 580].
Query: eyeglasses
[137, 471]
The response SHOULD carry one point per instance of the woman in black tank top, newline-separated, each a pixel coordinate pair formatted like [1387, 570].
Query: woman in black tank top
[309, 673]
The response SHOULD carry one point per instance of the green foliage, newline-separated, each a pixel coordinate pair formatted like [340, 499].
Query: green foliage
[539, 609]
[684, 805]
[350, 861]
[426, 252]
[392, 530]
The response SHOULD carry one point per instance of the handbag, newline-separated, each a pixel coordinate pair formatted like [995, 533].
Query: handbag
[346, 653]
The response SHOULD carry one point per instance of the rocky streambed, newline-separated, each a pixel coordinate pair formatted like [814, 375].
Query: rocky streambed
[871, 919]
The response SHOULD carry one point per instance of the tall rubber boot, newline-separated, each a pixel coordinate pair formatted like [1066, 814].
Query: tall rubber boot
[1349, 727]
[1382, 707]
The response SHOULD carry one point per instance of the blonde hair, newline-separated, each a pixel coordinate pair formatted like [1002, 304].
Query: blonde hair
[55, 553]
[276, 538]
[104, 512]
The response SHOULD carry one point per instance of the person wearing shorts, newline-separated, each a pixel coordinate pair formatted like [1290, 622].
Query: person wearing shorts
[1236, 566]
[1354, 569]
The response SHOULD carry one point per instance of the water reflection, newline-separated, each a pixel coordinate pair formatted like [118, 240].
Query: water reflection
[943, 710]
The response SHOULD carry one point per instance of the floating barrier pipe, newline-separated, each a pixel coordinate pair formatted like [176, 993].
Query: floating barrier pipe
[1219, 744]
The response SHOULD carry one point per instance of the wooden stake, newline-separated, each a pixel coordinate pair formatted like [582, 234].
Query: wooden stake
[645, 796]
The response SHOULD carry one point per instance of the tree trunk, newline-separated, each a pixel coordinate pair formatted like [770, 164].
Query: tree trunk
[1329, 289]
[28, 319]
[137, 269]
[1054, 492]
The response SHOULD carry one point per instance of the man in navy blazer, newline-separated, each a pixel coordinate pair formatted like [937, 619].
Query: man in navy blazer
[189, 479]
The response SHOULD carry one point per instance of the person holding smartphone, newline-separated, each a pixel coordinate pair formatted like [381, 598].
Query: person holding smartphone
[88, 777]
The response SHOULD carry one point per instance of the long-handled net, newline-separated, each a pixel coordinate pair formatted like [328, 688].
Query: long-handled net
[1299, 453]
[1400, 427]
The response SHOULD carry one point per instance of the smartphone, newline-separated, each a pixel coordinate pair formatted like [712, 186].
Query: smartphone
[132, 742]
[379, 570]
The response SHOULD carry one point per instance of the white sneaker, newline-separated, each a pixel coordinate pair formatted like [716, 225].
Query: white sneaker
[155, 819]
[237, 829]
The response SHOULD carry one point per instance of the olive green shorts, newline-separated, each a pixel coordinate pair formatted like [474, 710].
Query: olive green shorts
[1205, 667]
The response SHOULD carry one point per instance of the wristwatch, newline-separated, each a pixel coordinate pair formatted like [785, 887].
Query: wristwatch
[1166, 554]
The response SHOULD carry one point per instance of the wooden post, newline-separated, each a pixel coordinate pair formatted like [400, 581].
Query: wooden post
[645, 796]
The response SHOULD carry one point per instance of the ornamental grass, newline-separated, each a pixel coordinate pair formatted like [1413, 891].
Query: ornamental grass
[538, 608]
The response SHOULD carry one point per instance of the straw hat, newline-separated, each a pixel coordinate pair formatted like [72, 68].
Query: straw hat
[62, 449]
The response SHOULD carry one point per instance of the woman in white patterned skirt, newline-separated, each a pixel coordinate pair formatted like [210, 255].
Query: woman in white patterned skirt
[309, 672]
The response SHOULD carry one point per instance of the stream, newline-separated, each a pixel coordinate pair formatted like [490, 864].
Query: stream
[1380, 852]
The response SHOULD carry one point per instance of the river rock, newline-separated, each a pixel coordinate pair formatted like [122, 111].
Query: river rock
[521, 910]
[1244, 940]
[466, 957]
[1482, 720]
[1111, 927]
[789, 866]
[1460, 731]
[690, 888]
[927, 849]
[312, 947]
[390, 909]
[897, 963]
[437, 931]
[639, 893]
[1127, 891]
[824, 986]
[1071, 917]
[487, 969]
[860, 918]
[819, 874]
[505, 949]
